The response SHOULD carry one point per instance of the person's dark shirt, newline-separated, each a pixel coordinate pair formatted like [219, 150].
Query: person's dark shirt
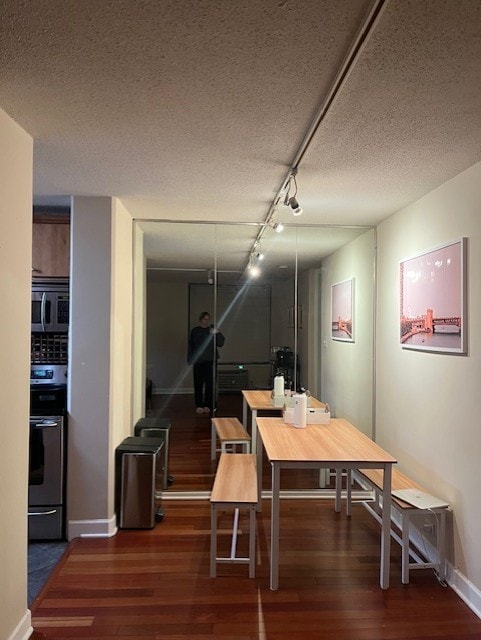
[201, 345]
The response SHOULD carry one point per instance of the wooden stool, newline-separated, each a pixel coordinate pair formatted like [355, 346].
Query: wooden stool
[230, 432]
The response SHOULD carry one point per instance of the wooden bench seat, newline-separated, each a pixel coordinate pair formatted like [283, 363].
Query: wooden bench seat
[235, 487]
[230, 433]
[403, 513]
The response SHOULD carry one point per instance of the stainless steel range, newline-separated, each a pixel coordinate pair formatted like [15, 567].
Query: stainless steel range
[47, 452]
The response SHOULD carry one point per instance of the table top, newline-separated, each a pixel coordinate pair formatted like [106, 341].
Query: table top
[260, 399]
[338, 441]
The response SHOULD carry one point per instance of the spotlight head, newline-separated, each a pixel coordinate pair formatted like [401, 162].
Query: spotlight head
[260, 256]
[296, 209]
[254, 271]
[278, 227]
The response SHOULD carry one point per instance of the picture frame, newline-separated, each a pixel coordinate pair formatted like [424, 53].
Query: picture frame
[342, 311]
[432, 294]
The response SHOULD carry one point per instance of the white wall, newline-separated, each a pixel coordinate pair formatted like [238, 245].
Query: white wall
[429, 405]
[15, 287]
[347, 367]
[100, 412]
[121, 419]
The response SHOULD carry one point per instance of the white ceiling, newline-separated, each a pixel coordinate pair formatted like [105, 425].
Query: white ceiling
[198, 109]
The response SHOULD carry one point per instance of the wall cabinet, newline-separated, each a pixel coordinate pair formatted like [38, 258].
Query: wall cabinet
[51, 246]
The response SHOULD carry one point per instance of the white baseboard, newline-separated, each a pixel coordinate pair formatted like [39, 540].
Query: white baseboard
[92, 528]
[465, 589]
[24, 628]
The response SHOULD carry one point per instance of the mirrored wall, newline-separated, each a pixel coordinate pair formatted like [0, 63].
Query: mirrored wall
[203, 267]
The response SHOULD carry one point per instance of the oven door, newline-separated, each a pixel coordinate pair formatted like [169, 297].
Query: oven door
[46, 461]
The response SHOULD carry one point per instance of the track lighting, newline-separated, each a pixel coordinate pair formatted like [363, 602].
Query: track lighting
[278, 227]
[210, 277]
[296, 209]
[291, 201]
[260, 256]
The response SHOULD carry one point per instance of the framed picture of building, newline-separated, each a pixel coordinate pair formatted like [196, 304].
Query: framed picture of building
[342, 311]
[432, 292]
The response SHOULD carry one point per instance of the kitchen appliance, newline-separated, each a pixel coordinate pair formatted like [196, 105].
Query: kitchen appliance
[50, 306]
[47, 452]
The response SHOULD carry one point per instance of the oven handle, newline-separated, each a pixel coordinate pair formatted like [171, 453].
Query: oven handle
[42, 309]
[42, 513]
[44, 425]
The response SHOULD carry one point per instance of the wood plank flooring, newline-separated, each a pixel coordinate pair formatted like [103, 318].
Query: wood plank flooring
[155, 584]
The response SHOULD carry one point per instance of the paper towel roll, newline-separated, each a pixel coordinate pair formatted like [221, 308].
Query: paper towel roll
[300, 410]
[278, 386]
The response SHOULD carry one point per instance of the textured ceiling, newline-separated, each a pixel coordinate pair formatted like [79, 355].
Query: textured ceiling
[196, 109]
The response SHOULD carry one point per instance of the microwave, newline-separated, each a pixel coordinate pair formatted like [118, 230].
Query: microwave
[50, 307]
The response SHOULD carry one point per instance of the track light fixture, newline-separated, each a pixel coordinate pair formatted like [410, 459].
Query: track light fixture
[296, 209]
[252, 268]
[291, 200]
[276, 225]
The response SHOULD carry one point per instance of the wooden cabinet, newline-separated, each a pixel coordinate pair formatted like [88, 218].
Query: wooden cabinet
[51, 246]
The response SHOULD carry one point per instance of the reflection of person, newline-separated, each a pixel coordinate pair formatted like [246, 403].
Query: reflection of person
[203, 354]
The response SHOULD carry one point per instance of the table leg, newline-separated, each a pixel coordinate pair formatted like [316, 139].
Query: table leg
[348, 491]
[254, 430]
[275, 527]
[386, 527]
[260, 458]
[337, 502]
[244, 413]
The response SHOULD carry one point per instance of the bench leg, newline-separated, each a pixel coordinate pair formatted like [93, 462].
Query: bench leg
[348, 491]
[442, 545]
[213, 442]
[252, 541]
[235, 529]
[213, 540]
[405, 520]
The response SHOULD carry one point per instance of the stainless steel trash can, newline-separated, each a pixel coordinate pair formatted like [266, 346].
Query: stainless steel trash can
[139, 471]
[156, 427]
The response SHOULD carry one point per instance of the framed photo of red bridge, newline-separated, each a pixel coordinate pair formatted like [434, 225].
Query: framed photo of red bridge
[342, 311]
[433, 300]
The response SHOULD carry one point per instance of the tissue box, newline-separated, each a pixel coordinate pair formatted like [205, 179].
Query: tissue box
[288, 401]
[318, 416]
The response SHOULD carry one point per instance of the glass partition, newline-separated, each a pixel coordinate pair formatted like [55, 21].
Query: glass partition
[273, 322]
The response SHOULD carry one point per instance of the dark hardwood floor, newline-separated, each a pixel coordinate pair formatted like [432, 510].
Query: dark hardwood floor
[155, 584]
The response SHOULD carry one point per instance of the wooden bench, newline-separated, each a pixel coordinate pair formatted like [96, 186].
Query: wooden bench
[230, 432]
[401, 515]
[235, 487]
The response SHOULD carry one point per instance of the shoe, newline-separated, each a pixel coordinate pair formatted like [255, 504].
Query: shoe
[199, 410]
[206, 410]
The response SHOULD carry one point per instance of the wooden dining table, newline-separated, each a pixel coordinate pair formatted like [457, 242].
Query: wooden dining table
[337, 445]
[260, 400]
